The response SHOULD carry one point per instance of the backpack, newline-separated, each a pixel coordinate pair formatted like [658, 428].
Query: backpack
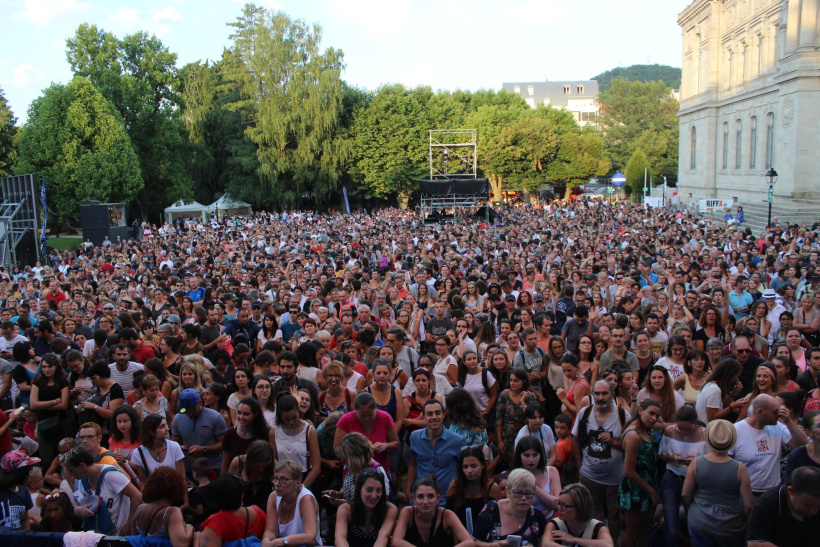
[101, 520]
[583, 433]
[538, 350]
[101, 455]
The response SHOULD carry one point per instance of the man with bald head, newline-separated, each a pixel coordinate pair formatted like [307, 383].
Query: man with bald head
[760, 440]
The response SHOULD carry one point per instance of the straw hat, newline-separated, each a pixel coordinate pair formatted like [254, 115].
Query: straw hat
[720, 436]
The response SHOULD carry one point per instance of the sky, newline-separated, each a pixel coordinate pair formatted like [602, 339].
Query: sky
[444, 44]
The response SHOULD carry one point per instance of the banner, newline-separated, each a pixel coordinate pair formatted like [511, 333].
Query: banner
[43, 247]
[347, 201]
[655, 202]
[709, 205]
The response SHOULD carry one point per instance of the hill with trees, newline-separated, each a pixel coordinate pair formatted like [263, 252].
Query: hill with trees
[640, 73]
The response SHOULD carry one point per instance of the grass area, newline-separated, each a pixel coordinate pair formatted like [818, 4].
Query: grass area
[64, 243]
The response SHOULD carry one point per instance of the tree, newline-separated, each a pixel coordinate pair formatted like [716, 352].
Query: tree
[75, 139]
[640, 73]
[390, 139]
[637, 114]
[580, 157]
[8, 137]
[637, 172]
[295, 93]
[138, 75]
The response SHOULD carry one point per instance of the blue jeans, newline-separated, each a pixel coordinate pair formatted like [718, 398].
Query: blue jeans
[671, 487]
[700, 538]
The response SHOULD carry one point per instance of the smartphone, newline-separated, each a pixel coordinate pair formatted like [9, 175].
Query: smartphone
[514, 541]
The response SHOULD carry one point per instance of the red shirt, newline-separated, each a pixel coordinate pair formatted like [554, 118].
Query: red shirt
[229, 527]
[382, 423]
[143, 353]
[58, 297]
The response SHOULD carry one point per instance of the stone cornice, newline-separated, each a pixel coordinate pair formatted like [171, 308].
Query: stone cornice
[693, 11]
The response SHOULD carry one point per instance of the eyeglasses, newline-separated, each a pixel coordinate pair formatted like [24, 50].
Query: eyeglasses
[281, 480]
[86, 437]
[561, 505]
[743, 351]
[521, 494]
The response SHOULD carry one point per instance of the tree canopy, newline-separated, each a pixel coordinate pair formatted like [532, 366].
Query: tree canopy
[75, 138]
[669, 75]
[8, 137]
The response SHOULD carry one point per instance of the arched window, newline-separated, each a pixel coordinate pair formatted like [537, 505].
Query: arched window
[693, 153]
[738, 143]
[753, 143]
[725, 145]
[769, 140]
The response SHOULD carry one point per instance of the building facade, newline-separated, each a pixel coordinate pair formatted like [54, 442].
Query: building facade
[750, 99]
[578, 97]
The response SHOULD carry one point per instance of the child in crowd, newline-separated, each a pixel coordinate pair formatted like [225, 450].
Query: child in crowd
[201, 501]
[35, 484]
[54, 474]
[563, 427]
[58, 515]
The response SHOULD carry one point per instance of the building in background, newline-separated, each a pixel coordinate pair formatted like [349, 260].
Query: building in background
[580, 97]
[750, 100]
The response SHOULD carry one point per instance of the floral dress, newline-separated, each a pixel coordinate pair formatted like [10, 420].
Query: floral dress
[632, 497]
[472, 438]
[511, 417]
[488, 525]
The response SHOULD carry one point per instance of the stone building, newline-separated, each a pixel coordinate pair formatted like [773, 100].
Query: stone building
[750, 100]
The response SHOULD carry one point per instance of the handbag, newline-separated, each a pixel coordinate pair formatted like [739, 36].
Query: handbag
[48, 424]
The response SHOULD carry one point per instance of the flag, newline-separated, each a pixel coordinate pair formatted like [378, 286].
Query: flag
[43, 247]
[347, 200]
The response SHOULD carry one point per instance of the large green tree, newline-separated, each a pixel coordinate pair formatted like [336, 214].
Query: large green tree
[8, 137]
[138, 75]
[641, 115]
[75, 138]
[292, 94]
[580, 157]
[637, 172]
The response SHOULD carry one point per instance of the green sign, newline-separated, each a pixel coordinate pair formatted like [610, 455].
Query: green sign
[610, 190]
[771, 195]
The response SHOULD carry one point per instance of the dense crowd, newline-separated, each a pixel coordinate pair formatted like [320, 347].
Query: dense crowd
[574, 374]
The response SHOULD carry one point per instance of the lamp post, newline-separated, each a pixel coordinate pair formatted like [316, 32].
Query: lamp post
[771, 178]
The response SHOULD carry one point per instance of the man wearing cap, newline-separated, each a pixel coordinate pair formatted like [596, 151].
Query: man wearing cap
[15, 500]
[714, 480]
[760, 440]
[773, 314]
[789, 514]
[200, 432]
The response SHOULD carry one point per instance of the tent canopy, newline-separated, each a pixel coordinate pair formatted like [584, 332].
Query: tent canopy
[228, 205]
[182, 209]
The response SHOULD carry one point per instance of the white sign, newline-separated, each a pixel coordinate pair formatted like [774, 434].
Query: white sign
[653, 202]
[709, 205]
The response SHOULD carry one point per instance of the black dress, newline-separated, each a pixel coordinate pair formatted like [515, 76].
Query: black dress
[438, 535]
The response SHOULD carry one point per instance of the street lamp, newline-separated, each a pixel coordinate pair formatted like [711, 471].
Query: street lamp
[771, 178]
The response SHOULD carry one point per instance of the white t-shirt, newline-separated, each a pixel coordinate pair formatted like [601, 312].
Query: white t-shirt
[675, 370]
[545, 434]
[8, 345]
[172, 456]
[119, 506]
[708, 397]
[474, 386]
[443, 366]
[760, 451]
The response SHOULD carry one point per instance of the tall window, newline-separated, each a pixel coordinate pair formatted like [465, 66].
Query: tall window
[761, 55]
[769, 141]
[725, 145]
[753, 144]
[738, 144]
[580, 90]
[693, 153]
[566, 90]
[530, 90]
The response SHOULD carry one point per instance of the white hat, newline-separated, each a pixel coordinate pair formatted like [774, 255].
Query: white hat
[769, 293]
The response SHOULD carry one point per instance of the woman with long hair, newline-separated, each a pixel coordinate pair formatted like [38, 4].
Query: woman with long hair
[26, 369]
[484, 338]
[797, 353]
[716, 398]
[262, 392]
[336, 397]
[370, 519]
[59, 516]
[295, 439]
[575, 388]
[414, 402]
[388, 397]
[530, 455]
[256, 470]
[465, 418]
[157, 517]
[171, 358]
[269, 331]
[425, 524]
[190, 340]
[658, 386]
[125, 433]
[512, 404]
[49, 400]
[157, 449]
[189, 378]
[250, 426]
[152, 402]
[500, 367]
[446, 366]
[513, 340]
[471, 487]
[478, 382]
[696, 370]
[168, 381]
[215, 397]
[104, 399]
[682, 442]
[646, 357]
[639, 488]
[233, 521]
[711, 326]
[356, 451]
[587, 362]
[765, 384]
[242, 389]
[759, 311]
[785, 374]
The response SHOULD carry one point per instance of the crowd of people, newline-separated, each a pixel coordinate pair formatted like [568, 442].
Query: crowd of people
[577, 373]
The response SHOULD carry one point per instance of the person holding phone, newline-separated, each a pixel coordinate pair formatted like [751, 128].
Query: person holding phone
[512, 521]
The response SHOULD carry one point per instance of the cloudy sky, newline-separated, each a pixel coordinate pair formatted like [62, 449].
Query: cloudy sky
[446, 44]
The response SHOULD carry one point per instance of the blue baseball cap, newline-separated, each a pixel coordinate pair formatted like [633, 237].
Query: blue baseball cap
[188, 400]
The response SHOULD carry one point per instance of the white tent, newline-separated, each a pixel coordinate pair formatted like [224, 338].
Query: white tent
[189, 210]
[228, 206]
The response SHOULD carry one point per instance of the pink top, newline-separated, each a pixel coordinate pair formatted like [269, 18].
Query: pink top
[382, 423]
